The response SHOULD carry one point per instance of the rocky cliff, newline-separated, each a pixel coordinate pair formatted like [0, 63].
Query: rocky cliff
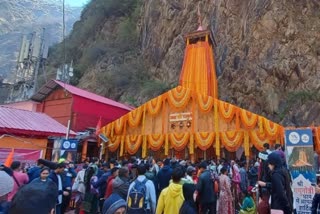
[18, 17]
[267, 52]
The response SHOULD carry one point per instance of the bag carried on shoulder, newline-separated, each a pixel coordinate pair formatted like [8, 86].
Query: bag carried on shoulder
[137, 201]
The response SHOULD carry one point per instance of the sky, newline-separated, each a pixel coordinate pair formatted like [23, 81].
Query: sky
[76, 3]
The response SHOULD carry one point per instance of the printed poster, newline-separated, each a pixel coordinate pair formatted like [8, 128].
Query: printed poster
[66, 149]
[299, 148]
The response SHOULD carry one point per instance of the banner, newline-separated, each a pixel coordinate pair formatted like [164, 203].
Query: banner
[66, 149]
[299, 148]
[27, 157]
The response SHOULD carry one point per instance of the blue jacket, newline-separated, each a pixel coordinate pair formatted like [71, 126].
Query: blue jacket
[4, 207]
[164, 176]
[315, 203]
[67, 178]
[34, 173]
[102, 183]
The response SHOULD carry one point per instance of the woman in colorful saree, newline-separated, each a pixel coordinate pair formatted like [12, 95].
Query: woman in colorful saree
[225, 199]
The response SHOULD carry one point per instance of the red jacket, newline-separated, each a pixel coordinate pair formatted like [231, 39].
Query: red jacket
[109, 186]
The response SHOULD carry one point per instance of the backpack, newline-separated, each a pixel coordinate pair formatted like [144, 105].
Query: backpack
[137, 201]
[215, 180]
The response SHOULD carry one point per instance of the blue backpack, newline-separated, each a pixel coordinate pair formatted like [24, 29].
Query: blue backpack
[137, 202]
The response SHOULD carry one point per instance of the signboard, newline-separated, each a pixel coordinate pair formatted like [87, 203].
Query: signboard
[299, 145]
[27, 157]
[66, 149]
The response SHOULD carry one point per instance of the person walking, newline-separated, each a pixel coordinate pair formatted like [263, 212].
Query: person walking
[189, 205]
[55, 176]
[225, 196]
[277, 186]
[171, 198]
[101, 184]
[205, 189]
[164, 175]
[121, 183]
[145, 189]
[19, 178]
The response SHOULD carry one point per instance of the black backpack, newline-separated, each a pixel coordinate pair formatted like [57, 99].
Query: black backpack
[137, 202]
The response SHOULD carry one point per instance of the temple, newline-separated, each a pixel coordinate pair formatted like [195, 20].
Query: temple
[189, 121]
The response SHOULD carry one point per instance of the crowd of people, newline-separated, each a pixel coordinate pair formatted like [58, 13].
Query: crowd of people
[149, 186]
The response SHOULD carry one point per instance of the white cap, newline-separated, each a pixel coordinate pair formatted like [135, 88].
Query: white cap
[6, 183]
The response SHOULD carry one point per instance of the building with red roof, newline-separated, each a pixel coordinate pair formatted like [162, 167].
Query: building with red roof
[83, 109]
[27, 132]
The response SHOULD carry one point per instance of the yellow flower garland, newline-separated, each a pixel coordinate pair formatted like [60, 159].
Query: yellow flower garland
[271, 129]
[205, 103]
[114, 143]
[317, 139]
[227, 111]
[134, 117]
[216, 126]
[155, 141]
[154, 105]
[119, 124]
[204, 139]
[249, 120]
[179, 140]
[232, 140]
[258, 139]
[178, 98]
[133, 143]
[246, 144]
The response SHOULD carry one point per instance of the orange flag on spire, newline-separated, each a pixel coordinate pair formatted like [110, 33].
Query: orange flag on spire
[9, 159]
[98, 127]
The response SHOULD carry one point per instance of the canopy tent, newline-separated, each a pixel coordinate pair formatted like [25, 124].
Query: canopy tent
[190, 115]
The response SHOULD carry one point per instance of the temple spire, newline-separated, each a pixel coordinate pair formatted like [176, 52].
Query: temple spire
[198, 71]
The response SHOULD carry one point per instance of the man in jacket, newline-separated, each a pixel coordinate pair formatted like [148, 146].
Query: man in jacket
[120, 184]
[101, 184]
[55, 176]
[150, 190]
[164, 175]
[171, 198]
[205, 188]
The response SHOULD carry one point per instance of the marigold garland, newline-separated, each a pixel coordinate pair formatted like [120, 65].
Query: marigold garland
[261, 124]
[216, 127]
[144, 146]
[317, 139]
[179, 140]
[134, 117]
[232, 140]
[133, 143]
[114, 143]
[227, 111]
[155, 141]
[205, 103]
[178, 98]
[272, 129]
[191, 144]
[122, 145]
[246, 144]
[166, 145]
[249, 120]
[154, 105]
[118, 125]
[258, 139]
[204, 139]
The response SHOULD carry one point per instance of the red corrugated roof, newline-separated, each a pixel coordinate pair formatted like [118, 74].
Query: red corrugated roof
[45, 90]
[16, 121]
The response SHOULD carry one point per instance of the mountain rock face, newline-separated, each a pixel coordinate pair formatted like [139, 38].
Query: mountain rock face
[18, 17]
[267, 53]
